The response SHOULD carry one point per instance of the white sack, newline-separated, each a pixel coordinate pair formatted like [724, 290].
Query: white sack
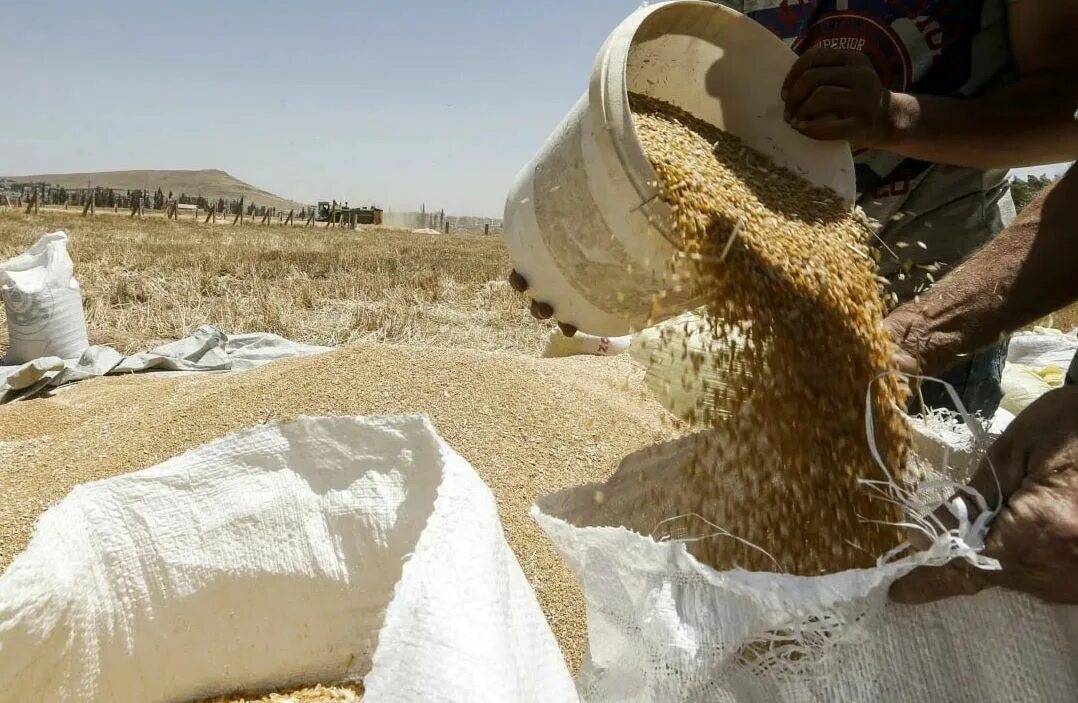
[1042, 348]
[662, 627]
[43, 303]
[317, 551]
[1024, 385]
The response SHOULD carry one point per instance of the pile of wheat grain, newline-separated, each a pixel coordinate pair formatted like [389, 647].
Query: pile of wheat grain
[530, 427]
[787, 274]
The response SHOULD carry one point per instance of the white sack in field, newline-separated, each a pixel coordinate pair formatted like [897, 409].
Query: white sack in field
[317, 551]
[43, 303]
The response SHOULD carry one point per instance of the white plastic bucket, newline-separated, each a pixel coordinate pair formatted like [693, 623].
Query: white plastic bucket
[583, 221]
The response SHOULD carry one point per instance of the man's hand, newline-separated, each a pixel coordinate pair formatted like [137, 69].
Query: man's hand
[540, 311]
[905, 327]
[1035, 537]
[833, 94]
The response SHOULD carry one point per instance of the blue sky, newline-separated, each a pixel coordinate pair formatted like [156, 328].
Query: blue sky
[396, 102]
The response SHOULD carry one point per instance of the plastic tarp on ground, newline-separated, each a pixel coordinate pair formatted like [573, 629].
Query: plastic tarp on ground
[208, 349]
[322, 550]
[662, 627]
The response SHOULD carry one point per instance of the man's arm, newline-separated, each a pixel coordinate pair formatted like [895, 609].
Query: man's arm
[1030, 270]
[837, 95]
[1023, 124]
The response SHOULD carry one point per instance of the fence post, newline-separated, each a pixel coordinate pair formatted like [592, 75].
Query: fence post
[447, 228]
[310, 218]
[486, 229]
[290, 214]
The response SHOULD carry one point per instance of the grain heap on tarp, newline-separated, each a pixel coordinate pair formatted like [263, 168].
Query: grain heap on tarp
[790, 282]
[530, 427]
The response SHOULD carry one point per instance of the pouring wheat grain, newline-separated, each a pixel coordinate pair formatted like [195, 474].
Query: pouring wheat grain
[788, 277]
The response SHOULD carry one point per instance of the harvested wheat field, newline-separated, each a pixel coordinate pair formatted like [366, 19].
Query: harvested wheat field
[529, 427]
[152, 280]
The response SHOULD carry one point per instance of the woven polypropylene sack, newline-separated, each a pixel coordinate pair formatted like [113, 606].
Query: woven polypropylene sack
[1042, 348]
[663, 627]
[43, 303]
[314, 552]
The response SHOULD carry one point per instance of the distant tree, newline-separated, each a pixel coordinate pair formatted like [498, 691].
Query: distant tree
[111, 200]
[221, 205]
[1025, 191]
[250, 209]
[159, 200]
[202, 203]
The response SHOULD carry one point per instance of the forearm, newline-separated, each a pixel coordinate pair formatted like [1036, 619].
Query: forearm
[1027, 123]
[1030, 270]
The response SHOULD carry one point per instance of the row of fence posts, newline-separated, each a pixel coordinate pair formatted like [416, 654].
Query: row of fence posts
[172, 212]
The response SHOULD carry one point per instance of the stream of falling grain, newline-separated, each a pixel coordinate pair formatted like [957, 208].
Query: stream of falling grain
[787, 276]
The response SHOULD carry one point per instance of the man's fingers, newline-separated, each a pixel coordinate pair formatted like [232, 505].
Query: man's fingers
[810, 81]
[1002, 470]
[998, 477]
[929, 584]
[813, 58]
[827, 101]
[518, 282]
[827, 129]
[902, 362]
